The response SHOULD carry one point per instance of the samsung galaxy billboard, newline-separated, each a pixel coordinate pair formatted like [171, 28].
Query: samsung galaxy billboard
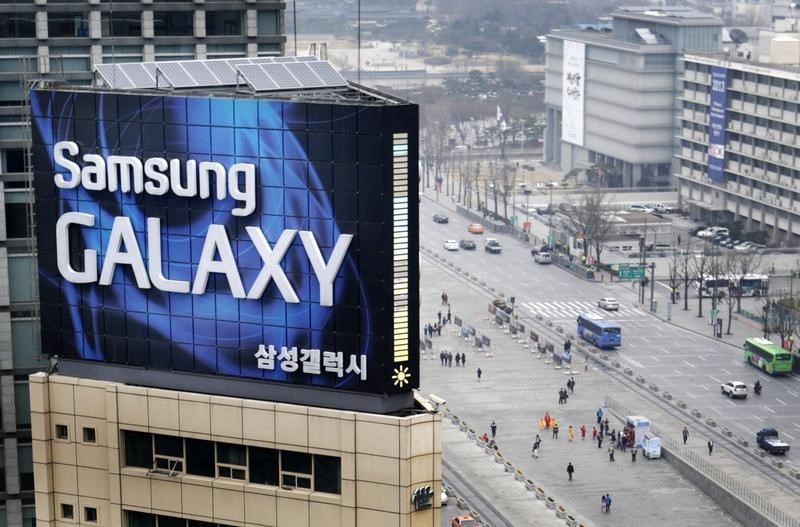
[235, 237]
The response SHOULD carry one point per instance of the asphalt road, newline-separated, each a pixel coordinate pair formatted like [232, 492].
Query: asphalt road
[687, 364]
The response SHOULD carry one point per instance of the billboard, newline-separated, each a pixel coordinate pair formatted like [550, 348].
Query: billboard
[718, 121]
[235, 237]
[573, 84]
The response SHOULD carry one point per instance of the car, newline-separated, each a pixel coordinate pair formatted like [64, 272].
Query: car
[767, 438]
[720, 239]
[746, 246]
[500, 303]
[638, 207]
[534, 251]
[467, 245]
[475, 228]
[464, 521]
[730, 244]
[544, 211]
[608, 303]
[734, 389]
[492, 246]
[451, 245]
[712, 231]
[543, 258]
[694, 230]
[443, 498]
[440, 218]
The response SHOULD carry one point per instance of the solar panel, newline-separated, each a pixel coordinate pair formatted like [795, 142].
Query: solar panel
[199, 71]
[138, 74]
[285, 59]
[327, 74]
[646, 35]
[261, 60]
[281, 76]
[310, 58]
[223, 71]
[114, 77]
[175, 75]
[234, 62]
[304, 74]
[257, 78]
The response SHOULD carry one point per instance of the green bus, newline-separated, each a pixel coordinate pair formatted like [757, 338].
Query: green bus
[767, 356]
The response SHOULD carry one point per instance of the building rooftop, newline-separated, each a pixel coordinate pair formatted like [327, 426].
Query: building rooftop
[671, 15]
[786, 71]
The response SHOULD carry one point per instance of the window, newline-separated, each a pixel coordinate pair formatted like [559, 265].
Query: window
[263, 465]
[67, 511]
[200, 457]
[25, 459]
[90, 514]
[62, 432]
[138, 449]
[67, 25]
[89, 435]
[173, 23]
[18, 25]
[224, 23]
[327, 474]
[296, 470]
[231, 461]
[268, 22]
[122, 24]
[168, 453]
[15, 161]
[16, 220]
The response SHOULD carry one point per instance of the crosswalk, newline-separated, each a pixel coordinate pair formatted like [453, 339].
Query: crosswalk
[570, 310]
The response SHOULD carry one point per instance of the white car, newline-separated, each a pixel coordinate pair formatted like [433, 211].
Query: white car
[443, 498]
[735, 389]
[712, 231]
[542, 258]
[609, 304]
[451, 245]
[638, 207]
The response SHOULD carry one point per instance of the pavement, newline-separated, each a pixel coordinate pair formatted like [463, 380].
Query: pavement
[518, 386]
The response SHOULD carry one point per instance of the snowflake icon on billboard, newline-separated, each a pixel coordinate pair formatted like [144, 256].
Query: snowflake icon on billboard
[401, 376]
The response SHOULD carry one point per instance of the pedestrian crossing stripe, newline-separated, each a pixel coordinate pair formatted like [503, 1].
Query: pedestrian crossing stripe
[571, 309]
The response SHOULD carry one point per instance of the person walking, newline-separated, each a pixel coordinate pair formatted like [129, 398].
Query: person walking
[570, 470]
[611, 452]
[608, 503]
[601, 428]
[710, 447]
[600, 441]
[599, 415]
[463, 360]
[633, 454]
[536, 443]
[547, 419]
[571, 384]
[685, 434]
[458, 360]
[493, 427]
[555, 430]
[603, 503]
[583, 432]
[479, 374]
[570, 433]
[449, 315]
[594, 433]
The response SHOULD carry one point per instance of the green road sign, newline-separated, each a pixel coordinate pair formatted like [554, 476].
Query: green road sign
[631, 273]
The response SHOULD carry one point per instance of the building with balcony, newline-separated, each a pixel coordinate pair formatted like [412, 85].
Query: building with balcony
[64, 40]
[759, 112]
[621, 112]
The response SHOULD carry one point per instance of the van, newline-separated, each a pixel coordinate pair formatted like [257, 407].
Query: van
[659, 247]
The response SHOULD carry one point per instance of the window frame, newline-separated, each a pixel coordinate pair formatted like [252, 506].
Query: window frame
[89, 431]
[67, 507]
[89, 511]
[59, 428]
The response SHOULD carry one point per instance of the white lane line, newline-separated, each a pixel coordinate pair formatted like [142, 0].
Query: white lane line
[795, 377]
[693, 396]
[689, 364]
[627, 359]
[783, 403]
[793, 394]
[715, 379]
[726, 372]
[706, 388]
[770, 410]
[678, 372]
[645, 339]
[796, 425]
[757, 418]
[701, 357]
[731, 403]
[737, 364]
[720, 413]
[787, 435]
[655, 359]
[665, 350]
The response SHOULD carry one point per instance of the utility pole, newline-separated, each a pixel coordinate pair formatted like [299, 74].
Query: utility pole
[550, 216]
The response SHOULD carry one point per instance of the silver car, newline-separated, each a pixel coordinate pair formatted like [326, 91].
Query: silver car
[609, 304]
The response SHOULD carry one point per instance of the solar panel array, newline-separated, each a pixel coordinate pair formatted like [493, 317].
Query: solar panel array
[258, 73]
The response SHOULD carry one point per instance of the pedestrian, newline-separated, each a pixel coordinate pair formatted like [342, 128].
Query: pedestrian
[450, 359]
[583, 432]
[439, 314]
[679, 240]
[449, 317]
[710, 447]
[599, 413]
[541, 423]
[601, 429]
[441, 357]
[570, 433]
[608, 502]
[586, 364]
[560, 396]
[685, 434]
[605, 425]
[463, 359]
[479, 372]
[611, 452]
[600, 441]
[570, 470]
[493, 427]
[603, 503]
[594, 433]
[547, 420]
[444, 297]
[555, 431]
[633, 454]
[458, 360]
[571, 384]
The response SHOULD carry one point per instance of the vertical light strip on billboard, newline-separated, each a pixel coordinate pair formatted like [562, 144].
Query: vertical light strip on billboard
[572, 92]
[718, 121]
[400, 248]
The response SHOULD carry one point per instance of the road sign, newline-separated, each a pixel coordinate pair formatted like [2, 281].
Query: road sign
[631, 273]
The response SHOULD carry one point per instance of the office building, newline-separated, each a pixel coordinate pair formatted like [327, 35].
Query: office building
[610, 91]
[738, 157]
[64, 40]
[228, 267]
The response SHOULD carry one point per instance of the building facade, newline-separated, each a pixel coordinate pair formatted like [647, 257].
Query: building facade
[754, 177]
[610, 99]
[64, 40]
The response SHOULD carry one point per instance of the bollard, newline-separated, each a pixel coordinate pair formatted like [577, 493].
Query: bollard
[508, 466]
[530, 485]
[726, 431]
[695, 412]
[667, 396]
[640, 379]
[498, 458]
[561, 512]
[628, 371]
[742, 441]
[710, 421]
[654, 387]
[519, 475]
[539, 493]
[550, 502]
[681, 404]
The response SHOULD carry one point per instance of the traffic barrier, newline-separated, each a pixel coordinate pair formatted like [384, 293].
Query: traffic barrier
[571, 521]
[491, 289]
[561, 512]
[458, 268]
[462, 425]
[742, 441]
[710, 421]
[539, 493]
[760, 452]
[519, 475]
[794, 472]
[508, 466]
[454, 418]
[550, 502]
[471, 433]
[559, 329]
[667, 396]
[482, 283]
[539, 317]
[498, 458]
[628, 371]
[549, 324]
[461, 503]
[530, 485]
[727, 432]
[640, 379]
[695, 412]
[681, 404]
[654, 387]
[777, 462]
[450, 491]
[489, 449]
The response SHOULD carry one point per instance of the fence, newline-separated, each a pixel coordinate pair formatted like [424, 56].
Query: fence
[712, 472]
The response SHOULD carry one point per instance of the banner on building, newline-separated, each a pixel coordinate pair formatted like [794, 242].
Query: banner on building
[717, 124]
[572, 92]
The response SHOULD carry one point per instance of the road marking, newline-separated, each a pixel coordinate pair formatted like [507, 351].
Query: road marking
[701, 357]
[655, 359]
[715, 379]
[678, 372]
[726, 372]
[703, 386]
[645, 339]
[627, 359]
[793, 394]
[719, 412]
[693, 396]
[731, 403]
[665, 351]
[787, 435]
[758, 418]
[689, 364]
[783, 403]
[770, 410]
[796, 425]
[737, 364]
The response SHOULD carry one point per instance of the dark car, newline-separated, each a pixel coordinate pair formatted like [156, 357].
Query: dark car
[534, 251]
[468, 245]
[441, 218]
[545, 249]
[544, 211]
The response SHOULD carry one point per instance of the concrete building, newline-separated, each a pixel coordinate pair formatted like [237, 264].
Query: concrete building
[62, 39]
[758, 182]
[619, 85]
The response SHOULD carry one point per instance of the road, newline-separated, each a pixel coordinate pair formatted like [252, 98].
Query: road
[687, 364]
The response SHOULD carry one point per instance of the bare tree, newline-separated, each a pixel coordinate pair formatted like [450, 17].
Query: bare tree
[590, 220]
[684, 265]
[738, 265]
[674, 276]
[701, 266]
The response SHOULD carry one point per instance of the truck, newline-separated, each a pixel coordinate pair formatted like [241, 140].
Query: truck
[491, 245]
[767, 438]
